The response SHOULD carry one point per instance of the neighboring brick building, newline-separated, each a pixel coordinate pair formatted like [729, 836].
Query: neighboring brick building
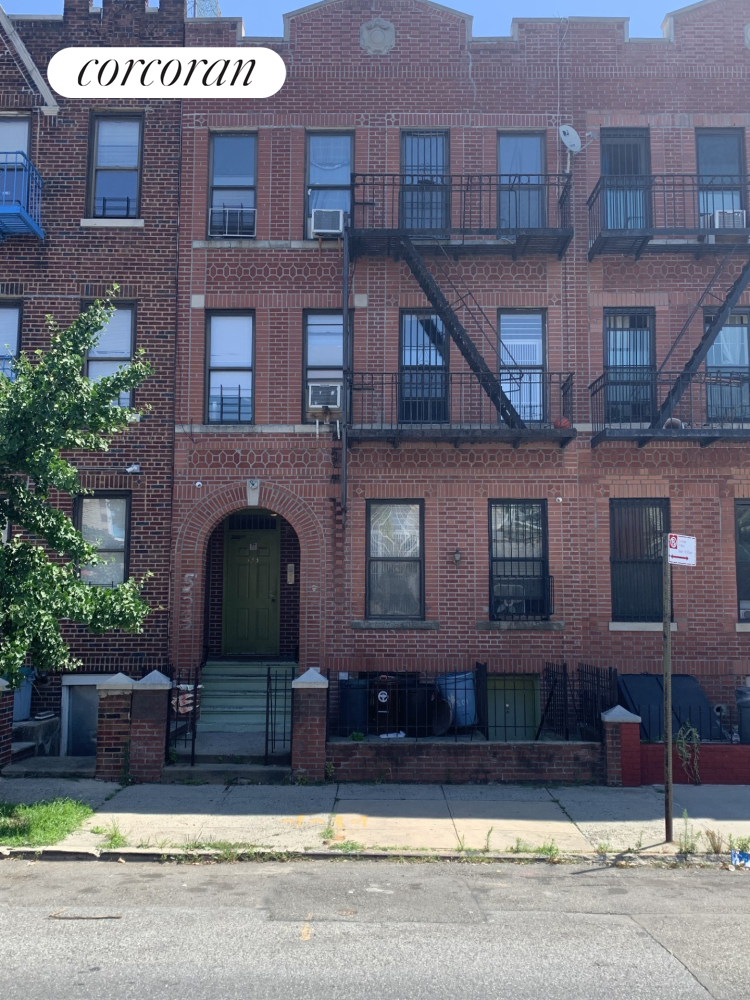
[393, 501]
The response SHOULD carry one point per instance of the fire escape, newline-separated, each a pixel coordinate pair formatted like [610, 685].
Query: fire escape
[707, 397]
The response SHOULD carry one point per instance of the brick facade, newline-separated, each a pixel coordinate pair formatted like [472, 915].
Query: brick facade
[6, 725]
[113, 736]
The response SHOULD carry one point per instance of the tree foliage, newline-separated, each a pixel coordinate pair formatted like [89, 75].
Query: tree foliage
[49, 407]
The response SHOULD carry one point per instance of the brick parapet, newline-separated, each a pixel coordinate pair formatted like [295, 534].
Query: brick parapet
[309, 734]
[113, 736]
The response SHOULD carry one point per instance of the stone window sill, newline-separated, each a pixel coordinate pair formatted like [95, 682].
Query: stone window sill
[742, 627]
[519, 626]
[639, 627]
[406, 624]
[113, 223]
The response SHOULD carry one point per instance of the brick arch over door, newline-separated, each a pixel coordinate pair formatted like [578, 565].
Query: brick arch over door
[191, 544]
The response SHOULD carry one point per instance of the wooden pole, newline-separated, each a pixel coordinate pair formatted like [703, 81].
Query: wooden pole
[667, 676]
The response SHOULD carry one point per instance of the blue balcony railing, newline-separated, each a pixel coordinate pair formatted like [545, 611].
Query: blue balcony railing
[20, 197]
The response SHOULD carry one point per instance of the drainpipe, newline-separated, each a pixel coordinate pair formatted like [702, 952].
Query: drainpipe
[347, 378]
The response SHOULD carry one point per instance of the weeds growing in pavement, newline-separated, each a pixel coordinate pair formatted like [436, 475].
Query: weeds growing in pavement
[740, 844]
[487, 838]
[715, 841]
[688, 838]
[520, 847]
[348, 846]
[114, 838]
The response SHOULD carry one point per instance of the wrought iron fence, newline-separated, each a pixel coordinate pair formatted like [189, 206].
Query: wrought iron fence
[712, 724]
[461, 205]
[183, 712]
[630, 399]
[431, 399]
[278, 711]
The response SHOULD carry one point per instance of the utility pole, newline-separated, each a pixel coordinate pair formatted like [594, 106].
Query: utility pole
[667, 678]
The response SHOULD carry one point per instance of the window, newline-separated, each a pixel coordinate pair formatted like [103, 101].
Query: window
[720, 183]
[10, 325]
[520, 585]
[233, 178]
[329, 173]
[521, 193]
[423, 376]
[425, 182]
[230, 368]
[625, 163]
[636, 529]
[742, 557]
[324, 353]
[728, 372]
[117, 160]
[521, 354]
[629, 365]
[114, 350]
[395, 561]
[104, 521]
[14, 140]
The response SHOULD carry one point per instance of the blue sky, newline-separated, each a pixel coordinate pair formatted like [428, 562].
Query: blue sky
[263, 17]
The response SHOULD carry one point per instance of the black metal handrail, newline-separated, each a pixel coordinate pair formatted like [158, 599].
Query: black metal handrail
[236, 221]
[20, 185]
[432, 397]
[630, 399]
[493, 205]
[702, 206]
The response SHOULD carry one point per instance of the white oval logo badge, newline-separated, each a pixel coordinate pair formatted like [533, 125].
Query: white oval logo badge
[159, 73]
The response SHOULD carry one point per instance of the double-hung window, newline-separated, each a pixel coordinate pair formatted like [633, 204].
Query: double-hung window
[329, 174]
[742, 557]
[115, 191]
[233, 179]
[104, 521]
[425, 181]
[521, 353]
[626, 167]
[521, 184]
[728, 372]
[423, 375]
[230, 368]
[720, 178]
[10, 326]
[395, 559]
[14, 147]
[520, 585]
[636, 530]
[114, 350]
[324, 354]
[629, 366]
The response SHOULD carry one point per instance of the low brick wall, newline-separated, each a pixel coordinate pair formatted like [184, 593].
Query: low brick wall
[6, 726]
[461, 762]
[718, 764]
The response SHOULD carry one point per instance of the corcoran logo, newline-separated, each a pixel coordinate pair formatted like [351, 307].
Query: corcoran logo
[158, 73]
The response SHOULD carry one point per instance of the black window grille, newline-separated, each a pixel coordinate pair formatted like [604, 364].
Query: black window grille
[395, 559]
[625, 155]
[252, 522]
[637, 529]
[742, 557]
[629, 364]
[233, 185]
[426, 183]
[423, 377]
[520, 585]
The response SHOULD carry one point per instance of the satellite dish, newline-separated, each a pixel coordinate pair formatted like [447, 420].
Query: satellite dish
[570, 138]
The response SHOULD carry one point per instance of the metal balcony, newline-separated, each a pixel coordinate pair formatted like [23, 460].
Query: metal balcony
[428, 404]
[669, 213]
[514, 214]
[712, 406]
[20, 197]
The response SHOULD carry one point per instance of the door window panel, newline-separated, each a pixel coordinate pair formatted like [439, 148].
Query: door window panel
[521, 193]
[230, 376]
[522, 363]
[423, 378]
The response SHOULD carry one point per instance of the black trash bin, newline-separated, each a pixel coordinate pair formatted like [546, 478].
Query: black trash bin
[383, 708]
[742, 695]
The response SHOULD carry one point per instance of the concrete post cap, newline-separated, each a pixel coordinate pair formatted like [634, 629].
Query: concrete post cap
[619, 714]
[312, 679]
[155, 681]
[116, 682]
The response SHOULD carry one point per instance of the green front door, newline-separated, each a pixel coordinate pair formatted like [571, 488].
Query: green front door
[251, 593]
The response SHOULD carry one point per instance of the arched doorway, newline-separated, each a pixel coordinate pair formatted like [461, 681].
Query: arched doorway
[252, 588]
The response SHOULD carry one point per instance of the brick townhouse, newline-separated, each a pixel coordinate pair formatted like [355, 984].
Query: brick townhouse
[444, 376]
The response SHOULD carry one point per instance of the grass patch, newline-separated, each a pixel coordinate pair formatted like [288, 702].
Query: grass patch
[113, 838]
[42, 823]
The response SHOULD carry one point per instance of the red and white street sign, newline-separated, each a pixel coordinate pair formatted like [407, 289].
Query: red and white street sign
[682, 550]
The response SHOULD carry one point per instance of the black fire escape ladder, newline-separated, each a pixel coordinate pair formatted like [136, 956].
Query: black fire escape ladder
[666, 410]
[487, 378]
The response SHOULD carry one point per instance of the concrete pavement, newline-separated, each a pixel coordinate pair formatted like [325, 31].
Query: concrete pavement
[577, 819]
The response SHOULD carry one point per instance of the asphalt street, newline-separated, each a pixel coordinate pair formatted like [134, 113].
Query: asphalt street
[380, 930]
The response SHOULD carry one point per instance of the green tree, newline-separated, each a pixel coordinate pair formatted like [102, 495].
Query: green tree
[50, 407]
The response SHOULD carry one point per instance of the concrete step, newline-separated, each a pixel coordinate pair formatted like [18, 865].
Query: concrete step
[226, 774]
[51, 767]
[212, 693]
[21, 749]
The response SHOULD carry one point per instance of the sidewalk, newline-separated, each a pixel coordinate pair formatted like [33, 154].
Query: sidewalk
[578, 820]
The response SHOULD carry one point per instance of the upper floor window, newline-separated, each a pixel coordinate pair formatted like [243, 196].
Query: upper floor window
[521, 194]
[520, 584]
[629, 364]
[721, 165]
[329, 174]
[395, 559]
[742, 557]
[14, 140]
[116, 165]
[636, 531]
[521, 351]
[104, 521]
[425, 181]
[324, 354]
[728, 382]
[230, 368]
[423, 377]
[10, 325]
[114, 349]
[233, 181]
[626, 164]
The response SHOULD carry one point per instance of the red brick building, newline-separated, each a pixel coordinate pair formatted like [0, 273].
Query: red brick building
[456, 432]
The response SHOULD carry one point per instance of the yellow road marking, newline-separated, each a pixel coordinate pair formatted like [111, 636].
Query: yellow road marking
[306, 929]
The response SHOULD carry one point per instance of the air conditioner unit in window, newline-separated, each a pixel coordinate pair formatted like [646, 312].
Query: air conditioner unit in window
[321, 395]
[745, 615]
[734, 219]
[327, 222]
